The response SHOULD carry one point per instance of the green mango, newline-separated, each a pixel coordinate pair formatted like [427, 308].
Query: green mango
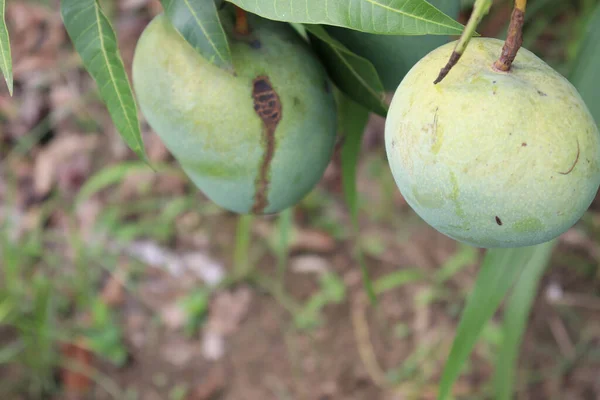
[253, 141]
[489, 158]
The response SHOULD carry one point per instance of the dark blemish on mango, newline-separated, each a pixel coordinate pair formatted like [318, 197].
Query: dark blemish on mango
[574, 163]
[498, 220]
[542, 93]
[268, 107]
[523, 144]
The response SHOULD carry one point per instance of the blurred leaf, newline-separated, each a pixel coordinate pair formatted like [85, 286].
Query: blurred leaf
[388, 17]
[10, 352]
[584, 74]
[198, 22]
[353, 74]
[96, 43]
[352, 121]
[104, 336]
[499, 270]
[464, 256]
[6, 308]
[195, 306]
[332, 287]
[6, 63]
[114, 174]
[397, 279]
[515, 319]
[393, 56]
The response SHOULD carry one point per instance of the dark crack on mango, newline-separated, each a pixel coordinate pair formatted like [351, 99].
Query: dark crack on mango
[268, 107]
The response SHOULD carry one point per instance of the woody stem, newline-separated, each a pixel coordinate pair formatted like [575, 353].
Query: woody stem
[514, 38]
[241, 21]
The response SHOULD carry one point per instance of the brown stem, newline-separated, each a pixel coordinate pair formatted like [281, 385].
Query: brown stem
[514, 39]
[241, 22]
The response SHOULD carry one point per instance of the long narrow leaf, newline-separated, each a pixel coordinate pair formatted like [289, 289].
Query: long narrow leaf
[387, 17]
[353, 74]
[500, 269]
[198, 22]
[5, 54]
[95, 41]
[584, 75]
[394, 55]
[515, 319]
[353, 119]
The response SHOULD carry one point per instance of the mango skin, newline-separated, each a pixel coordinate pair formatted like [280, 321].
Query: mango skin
[493, 159]
[206, 118]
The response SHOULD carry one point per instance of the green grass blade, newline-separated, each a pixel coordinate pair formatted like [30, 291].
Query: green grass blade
[353, 119]
[515, 319]
[584, 74]
[500, 269]
[241, 253]
[387, 17]
[5, 54]
[96, 42]
[399, 278]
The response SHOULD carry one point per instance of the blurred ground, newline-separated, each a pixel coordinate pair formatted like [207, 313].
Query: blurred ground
[119, 282]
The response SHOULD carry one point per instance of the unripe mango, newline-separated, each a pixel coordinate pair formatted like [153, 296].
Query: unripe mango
[493, 159]
[255, 140]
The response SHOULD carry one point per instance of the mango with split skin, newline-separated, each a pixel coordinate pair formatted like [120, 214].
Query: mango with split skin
[254, 140]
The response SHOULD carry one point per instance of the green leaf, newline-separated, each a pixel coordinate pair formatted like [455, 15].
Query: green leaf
[6, 62]
[398, 278]
[515, 319]
[393, 56]
[352, 121]
[384, 17]
[198, 22]
[584, 75]
[95, 41]
[500, 269]
[352, 74]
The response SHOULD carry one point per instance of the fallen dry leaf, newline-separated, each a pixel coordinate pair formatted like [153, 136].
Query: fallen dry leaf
[113, 292]
[178, 351]
[75, 383]
[54, 160]
[173, 316]
[227, 310]
[309, 264]
[211, 386]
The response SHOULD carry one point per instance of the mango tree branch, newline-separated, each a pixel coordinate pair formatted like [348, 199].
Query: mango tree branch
[481, 8]
[514, 38]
